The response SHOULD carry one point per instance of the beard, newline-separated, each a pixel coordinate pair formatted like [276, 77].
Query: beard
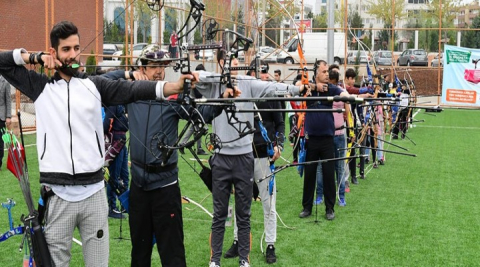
[66, 67]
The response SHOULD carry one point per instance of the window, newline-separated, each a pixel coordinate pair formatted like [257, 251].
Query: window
[119, 19]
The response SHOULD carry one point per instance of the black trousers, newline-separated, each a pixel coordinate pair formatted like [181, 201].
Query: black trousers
[2, 125]
[319, 148]
[401, 125]
[157, 212]
[228, 170]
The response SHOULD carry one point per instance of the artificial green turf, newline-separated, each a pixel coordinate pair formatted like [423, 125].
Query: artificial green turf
[411, 212]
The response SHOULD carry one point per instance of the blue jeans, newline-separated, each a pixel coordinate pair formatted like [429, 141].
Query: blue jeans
[340, 142]
[119, 177]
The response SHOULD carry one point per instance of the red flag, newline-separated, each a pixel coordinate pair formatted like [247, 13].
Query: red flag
[15, 159]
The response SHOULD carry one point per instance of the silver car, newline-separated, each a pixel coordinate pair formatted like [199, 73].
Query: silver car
[363, 57]
[436, 62]
[383, 57]
[413, 57]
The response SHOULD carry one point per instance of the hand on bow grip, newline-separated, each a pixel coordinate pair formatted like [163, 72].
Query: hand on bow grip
[232, 93]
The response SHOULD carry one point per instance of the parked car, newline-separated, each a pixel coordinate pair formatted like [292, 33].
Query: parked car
[137, 50]
[109, 49]
[383, 57]
[352, 57]
[266, 53]
[436, 61]
[413, 57]
[207, 55]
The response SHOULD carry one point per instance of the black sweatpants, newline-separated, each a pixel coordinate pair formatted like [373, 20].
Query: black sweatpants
[402, 123]
[319, 148]
[228, 170]
[157, 212]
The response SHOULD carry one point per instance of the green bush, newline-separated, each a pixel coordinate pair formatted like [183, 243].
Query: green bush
[91, 64]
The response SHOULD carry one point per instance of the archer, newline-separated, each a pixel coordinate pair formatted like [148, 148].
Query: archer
[70, 143]
[233, 164]
[154, 206]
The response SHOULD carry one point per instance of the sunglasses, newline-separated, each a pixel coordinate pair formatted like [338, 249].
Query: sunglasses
[155, 55]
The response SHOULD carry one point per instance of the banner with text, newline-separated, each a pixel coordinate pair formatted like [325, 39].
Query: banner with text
[461, 77]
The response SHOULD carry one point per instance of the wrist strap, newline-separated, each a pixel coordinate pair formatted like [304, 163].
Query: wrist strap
[39, 58]
[31, 58]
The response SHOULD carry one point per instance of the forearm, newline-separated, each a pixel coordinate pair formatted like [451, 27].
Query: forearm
[263, 88]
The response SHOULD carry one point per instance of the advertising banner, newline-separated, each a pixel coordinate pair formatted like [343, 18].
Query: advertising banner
[461, 76]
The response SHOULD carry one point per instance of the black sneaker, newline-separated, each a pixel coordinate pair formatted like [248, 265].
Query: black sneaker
[232, 252]
[305, 213]
[182, 151]
[354, 180]
[114, 215]
[330, 215]
[201, 152]
[270, 254]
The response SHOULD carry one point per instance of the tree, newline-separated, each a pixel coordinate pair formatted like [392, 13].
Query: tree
[143, 15]
[472, 38]
[385, 36]
[320, 23]
[382, 9]
[273, 36]
[356, 26]
[170, 24]
[112, 32]
[91, 64]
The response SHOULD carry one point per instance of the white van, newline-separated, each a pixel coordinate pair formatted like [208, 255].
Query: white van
[314, 47]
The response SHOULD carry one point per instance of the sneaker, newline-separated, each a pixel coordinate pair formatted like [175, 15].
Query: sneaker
[116, 210]
[201, 152]
[382, 162]
[354, 180]
[342, 202]
[244, 263]
[319, 200]
[367, 161]
[330, 215]
[375, 165]
[232, 252]
[213, 264]
[182, 151]
[270, 254]
[305, 213]
[114, 215]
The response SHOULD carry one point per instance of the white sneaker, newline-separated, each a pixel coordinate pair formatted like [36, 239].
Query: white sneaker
[244, 263]
[213, 264]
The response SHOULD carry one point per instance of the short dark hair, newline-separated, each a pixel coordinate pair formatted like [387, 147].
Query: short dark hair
[278, 71]
[350, 73]
[62, 30]
[333, 66]
[321, 62]
[200, 67]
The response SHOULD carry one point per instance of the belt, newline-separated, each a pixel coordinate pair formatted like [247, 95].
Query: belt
[155, 168]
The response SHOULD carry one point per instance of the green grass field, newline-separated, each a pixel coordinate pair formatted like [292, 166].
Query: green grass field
[411, 212]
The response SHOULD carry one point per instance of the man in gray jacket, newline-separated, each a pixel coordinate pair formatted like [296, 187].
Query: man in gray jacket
[5, 111]
[233, 164]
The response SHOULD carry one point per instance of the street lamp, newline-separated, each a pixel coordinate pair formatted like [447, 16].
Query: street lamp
[155, 5]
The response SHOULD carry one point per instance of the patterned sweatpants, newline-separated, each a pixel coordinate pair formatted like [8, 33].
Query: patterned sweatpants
[90, 217]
